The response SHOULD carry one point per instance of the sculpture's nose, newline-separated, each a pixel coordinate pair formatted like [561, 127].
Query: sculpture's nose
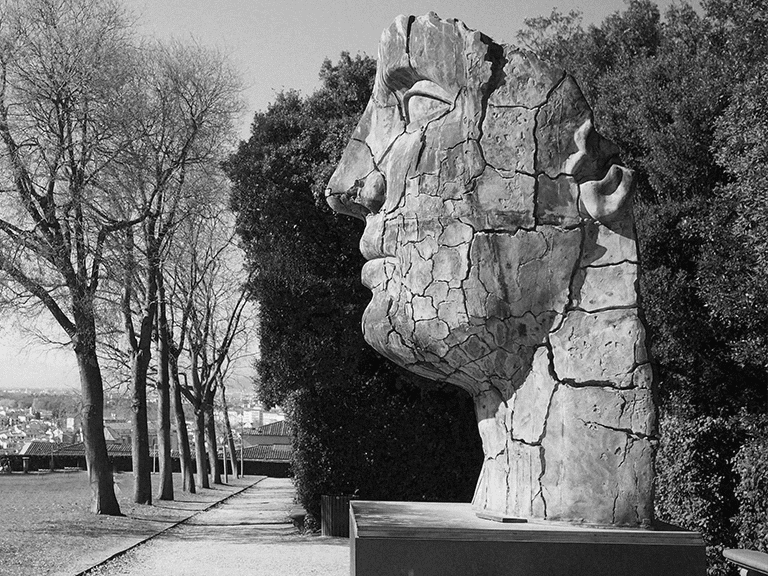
[356, 187]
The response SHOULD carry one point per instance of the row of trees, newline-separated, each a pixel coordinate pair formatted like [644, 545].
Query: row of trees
[113, 216]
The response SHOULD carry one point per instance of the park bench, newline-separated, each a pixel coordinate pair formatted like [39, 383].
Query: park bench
[750, 562]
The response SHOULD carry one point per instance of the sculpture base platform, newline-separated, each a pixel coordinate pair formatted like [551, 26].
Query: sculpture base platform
[443, 539]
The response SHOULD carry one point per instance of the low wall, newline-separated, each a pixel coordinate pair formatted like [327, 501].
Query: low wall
[124, 464]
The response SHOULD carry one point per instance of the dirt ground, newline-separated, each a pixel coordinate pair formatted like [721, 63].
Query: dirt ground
[46, 527]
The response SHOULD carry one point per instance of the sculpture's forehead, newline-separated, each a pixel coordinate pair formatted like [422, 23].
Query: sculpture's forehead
[429, 48]
[455, 57]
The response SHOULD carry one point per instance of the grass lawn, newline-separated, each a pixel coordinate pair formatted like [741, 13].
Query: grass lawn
[46, 526]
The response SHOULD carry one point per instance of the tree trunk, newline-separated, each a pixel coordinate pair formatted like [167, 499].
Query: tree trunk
[213, 448]
[228, 431]
[185, 455]
[165, 482]
[202, 474]
[141, 351]
[142, 463]
[96, 457]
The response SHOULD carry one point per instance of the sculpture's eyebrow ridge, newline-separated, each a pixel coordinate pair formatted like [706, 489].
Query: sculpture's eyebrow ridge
[399, 77]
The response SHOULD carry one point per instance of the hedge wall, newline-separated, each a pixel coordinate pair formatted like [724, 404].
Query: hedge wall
[712, 477]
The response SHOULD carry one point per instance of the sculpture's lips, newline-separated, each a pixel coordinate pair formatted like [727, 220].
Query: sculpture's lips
[372, 240]
[373, 273]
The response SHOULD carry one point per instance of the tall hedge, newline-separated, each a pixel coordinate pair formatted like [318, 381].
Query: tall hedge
[751, 465]
[384, 439]
[712, 477]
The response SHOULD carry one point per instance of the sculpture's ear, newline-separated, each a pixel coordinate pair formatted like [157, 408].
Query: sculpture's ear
[605, 199]
[605, 187]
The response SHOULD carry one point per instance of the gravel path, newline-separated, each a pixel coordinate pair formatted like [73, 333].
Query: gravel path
[250, 533]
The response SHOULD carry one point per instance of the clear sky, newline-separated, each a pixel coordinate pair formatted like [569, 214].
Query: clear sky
[277, 45]
[281, 44]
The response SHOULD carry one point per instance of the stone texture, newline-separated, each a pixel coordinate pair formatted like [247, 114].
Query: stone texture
[502, 258]
[599, 456]
[601, 347]
[557, 201]
[557, 122]
[532, 400]
[527, 81]
[508, 139]
[605, 287]
[499, 203]
[609, 243]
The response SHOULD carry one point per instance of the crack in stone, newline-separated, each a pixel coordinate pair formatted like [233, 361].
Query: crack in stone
[495, 55]
[609, 264]
[505, 232]
[604, 309]
[387, 150]
[628, 442]
[551, 363]
[409, 26]
[535, 189]
[629, 433]
[543, 461]
[569, 305]
[536, 444]
[422, 149]
[515, 106]
[607, 384]
[542, 450]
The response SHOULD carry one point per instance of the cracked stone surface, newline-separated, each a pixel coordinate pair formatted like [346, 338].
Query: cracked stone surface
[502, 258]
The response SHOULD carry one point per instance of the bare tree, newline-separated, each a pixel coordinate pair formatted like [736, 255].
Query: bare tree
[209, 295]
[63, 67]
[228, 435]
[174, 351]
[185, 103]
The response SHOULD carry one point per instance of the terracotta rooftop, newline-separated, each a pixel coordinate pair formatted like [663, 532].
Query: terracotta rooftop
[39, 448]
[113, 449]
[275, 453]
[280, 428]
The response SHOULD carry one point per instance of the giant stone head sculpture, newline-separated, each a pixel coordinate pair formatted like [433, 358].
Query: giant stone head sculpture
[502, 259]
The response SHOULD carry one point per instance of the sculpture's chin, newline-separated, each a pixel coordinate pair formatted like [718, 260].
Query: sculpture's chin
[376, 324]
[379, 332]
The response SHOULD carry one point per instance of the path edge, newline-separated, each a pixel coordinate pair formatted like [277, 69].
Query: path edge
[164, 530]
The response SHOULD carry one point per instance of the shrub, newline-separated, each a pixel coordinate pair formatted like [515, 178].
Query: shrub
[384, 438]
[751, 464]
[696, 481]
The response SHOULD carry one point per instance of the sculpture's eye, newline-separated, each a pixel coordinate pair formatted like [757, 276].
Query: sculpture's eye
[424, 102]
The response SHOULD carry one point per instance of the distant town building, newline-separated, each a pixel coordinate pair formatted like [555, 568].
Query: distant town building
[276, 433]
[117, 431]
[257, 417]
